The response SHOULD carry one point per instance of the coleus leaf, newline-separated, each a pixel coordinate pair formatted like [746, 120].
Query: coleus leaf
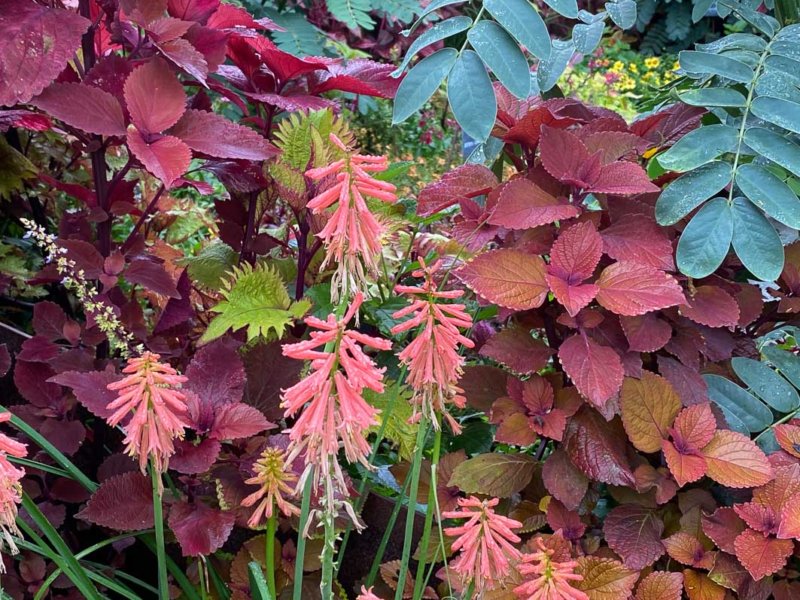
[735, 461]
[634, 532]
[166, 157]
[154, 97]
[762, 555]
[499, 475]
[632, 289]
[687, 550]
[788, 438]
[237, 421]
[789, 527]
[563, 480]
[722, 527]
[517, 349]
[757, 516]
[648, 406]
[639, 239]
[595, 370]
[90, 388]
[467, 181]
[83, 106]
[693, 429]
[712, 306]
[37, 43]
[598, 448]
[660, 585]
[506, 277]
[216, 136]
[645, 333]
[124, 503]
[699, 586]
[573, 258]
[564, 521]
[605, 578]
[523, 204]
[199, 529]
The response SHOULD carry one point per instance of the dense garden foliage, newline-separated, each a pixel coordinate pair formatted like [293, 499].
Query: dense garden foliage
[368, 299]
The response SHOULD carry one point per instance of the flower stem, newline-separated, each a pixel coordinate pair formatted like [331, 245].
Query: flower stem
[419, 584]
[328, 551]
[305, 505]
[272, 525]
[158, 516]
[387, 533]
[412, 503]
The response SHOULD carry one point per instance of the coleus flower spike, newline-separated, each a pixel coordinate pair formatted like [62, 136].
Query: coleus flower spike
[352, 235]
[434, 364]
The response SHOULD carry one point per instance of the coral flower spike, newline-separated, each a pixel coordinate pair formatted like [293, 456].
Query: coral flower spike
[276, 481]
[10, 490]
[434, 364]
[366, 594]
[159, 409]
[546, 578]
[484, 540]
[352, 235]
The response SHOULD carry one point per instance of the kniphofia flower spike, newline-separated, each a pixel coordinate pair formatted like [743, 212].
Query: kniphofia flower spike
[434, 364]
[159, 410]
[10, 490]
[547, 579]
[352, 235]
[329, 400]
[484, 541]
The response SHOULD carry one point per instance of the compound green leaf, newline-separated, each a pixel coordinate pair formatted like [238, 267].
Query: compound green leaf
[502, 55]
[705, 242]
[567, 8]
[439, 31]
[432, 7]
[786, 362]
[724, 97]
[770, 194]
[353, 13]
[739, 402]
[421, 82]
[551, 68]
[778, 111]
[777, 148]
[755, 241]
[690, 190]
[622, 12]
[766, 384]
[522, 21]
[586, 37]
[698, 147]
[471, 96]
[705, 63]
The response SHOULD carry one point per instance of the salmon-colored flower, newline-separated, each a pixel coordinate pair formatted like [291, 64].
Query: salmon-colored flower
[275, 479]
[434, 364]
[352, 235]
[366, 594]
[159, 410]
[484, 540]
[329, 401]
[10, 490]
[546, 578]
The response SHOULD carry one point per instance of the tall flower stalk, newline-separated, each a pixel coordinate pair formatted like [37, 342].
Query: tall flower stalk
[149, 395]
[352, 235]
[10, 490]
[331, 414]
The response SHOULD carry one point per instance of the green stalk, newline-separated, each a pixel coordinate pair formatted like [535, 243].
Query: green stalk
[62, 556]
[305, 505]
[272, 525]
[419, 584]
[412, 502]
[387, 533]
[328, 550]
[158, 516]
[201, 576]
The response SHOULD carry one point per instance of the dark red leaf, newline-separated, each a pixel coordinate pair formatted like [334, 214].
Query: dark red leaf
[90, 389]
[573, 259]
[563, 480]
[178, 310]
[152, 276]
[639, 239]
[623, 178]
[689, 384]
[216, 136]
[84, 107]
[466, 181]
[216, 374]
[200, 530]
[268, 372]
[185, 56]
[711, 305]
[518, 350]
[49, 320]
[523, 204]
[124, 503]
[594, 369]
[632, 289]
[5, 360]
[563, 154]
[31, 380]
[166, 157]
[235, 421]
[598, 448]
[192, 459]
[193, 10]
[154, 97]
[36, 44]
[357, 76]
[645, 333]
[86, 257]
[634, 532]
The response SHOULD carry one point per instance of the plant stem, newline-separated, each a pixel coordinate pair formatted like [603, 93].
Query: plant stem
[328, 551]
[272, 525]
[201, 575]
[305, 506]
[376, 562]
[419, 585]
[158, 516]
[412, 503]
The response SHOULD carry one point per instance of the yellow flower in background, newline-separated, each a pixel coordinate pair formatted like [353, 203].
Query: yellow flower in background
[676, 65]
[633, 68]
[652, 62]
[618, 65]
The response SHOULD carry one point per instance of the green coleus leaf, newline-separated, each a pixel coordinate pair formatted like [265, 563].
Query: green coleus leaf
[255, 298]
